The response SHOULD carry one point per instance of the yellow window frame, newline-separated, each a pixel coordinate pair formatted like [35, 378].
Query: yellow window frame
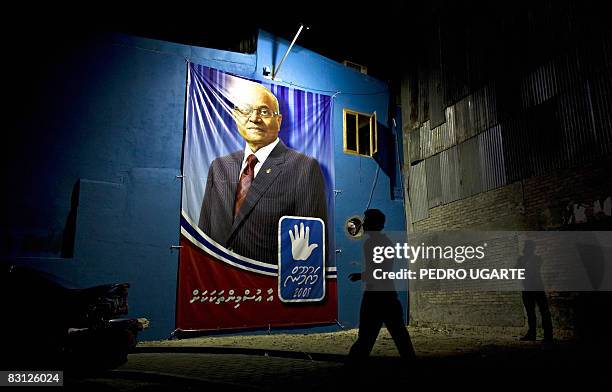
[373, 132]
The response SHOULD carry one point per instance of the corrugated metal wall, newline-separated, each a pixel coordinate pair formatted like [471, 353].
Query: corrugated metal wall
[434, 181]
[449, 174]
[466, 169]
[469, 168]
[600, 89]
[418, 192]
[493, 173]
[493, 110]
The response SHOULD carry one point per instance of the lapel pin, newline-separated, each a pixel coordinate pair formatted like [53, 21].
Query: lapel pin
[268, 171]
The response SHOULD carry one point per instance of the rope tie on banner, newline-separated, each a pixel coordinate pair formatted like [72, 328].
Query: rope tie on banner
[334, 96]
[373, 186]
[340, 325]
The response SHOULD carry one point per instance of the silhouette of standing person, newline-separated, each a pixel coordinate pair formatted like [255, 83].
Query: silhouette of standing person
[380, 306]
[533, 293]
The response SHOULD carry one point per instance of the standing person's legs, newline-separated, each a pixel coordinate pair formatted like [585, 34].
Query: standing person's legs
[394, 320]
[529, 303]
[370, 323]
[542, 302]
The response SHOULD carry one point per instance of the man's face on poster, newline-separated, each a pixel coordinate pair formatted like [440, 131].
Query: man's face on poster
[257, 116]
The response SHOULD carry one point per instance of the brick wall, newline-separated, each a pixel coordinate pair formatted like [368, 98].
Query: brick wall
[537, 203]
[549, 200]
[498, 209]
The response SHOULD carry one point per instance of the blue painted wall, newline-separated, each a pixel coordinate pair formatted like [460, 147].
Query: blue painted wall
[103, 139]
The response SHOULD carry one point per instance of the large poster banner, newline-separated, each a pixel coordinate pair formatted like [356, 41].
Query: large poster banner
[256, 206]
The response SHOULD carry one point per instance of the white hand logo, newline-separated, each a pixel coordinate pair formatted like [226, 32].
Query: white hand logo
[299, 243]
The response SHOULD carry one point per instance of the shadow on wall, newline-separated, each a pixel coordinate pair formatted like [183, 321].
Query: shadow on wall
[70, 228]
[386, 156]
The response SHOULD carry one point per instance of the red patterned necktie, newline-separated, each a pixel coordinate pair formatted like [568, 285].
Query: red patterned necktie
[245, 182]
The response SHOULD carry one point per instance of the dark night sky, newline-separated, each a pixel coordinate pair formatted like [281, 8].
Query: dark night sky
[380, 36]
[369, 44]
[362, 34]
[368, 35]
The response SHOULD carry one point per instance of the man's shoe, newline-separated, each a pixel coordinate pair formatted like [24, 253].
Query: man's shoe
[548, 340]
[528, 338]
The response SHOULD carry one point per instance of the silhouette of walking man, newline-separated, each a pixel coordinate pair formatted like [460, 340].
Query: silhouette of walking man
[380, 306]
[534, 294]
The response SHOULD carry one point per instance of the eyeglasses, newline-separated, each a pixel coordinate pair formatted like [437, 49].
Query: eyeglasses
[262, 112]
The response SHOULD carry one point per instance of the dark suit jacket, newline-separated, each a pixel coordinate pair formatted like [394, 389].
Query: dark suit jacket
[288, 183]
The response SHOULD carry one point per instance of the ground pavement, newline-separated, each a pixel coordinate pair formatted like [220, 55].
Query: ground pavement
[315, 362]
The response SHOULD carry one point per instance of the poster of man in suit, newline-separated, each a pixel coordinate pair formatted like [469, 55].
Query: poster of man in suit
[249, 190]
[255, 153]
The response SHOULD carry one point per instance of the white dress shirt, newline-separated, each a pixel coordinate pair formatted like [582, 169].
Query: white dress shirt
[262, 154]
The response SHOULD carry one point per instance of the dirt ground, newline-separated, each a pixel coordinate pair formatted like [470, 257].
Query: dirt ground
[317, 361]
[428, 342]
